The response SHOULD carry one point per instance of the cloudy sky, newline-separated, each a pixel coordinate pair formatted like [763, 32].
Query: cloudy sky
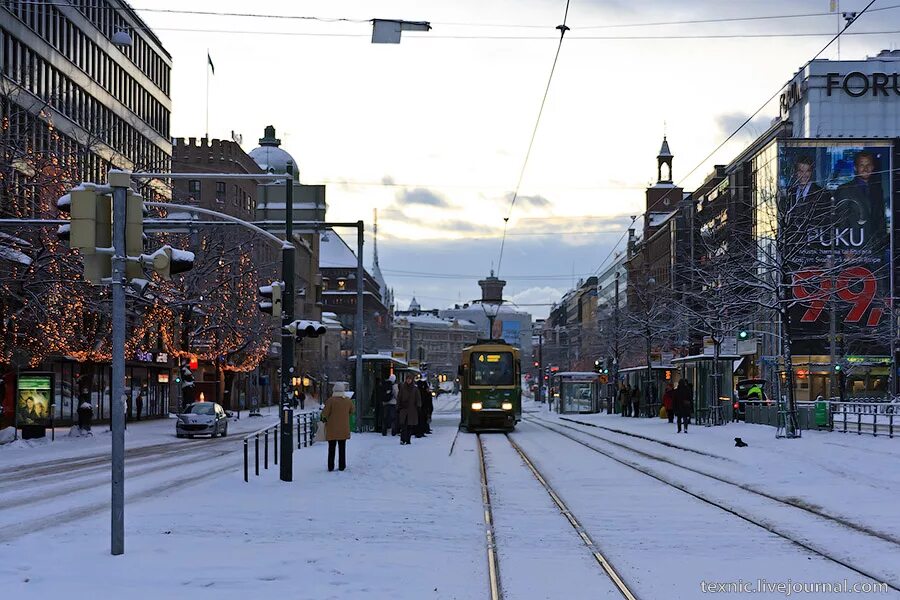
[433, 132]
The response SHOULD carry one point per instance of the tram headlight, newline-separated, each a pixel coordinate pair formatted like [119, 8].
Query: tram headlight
[506, 406]
[476, 406]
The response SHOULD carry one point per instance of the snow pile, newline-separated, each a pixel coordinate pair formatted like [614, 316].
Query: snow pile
[7, 435]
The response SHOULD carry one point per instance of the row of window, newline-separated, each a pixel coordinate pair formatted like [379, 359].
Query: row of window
[34, 74]
[98, 65]
[45, 20]
[239, 198]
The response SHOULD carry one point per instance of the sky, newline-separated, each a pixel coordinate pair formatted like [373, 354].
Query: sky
[433, 132]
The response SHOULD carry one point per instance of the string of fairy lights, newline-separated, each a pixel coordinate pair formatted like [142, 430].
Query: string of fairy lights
[59, 314]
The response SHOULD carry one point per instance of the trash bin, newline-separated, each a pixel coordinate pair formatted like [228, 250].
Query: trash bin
[821, 413]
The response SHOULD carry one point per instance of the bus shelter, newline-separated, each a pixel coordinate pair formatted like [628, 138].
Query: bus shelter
[650, 385]
[578, 392]
[701, 371]
[376, 369]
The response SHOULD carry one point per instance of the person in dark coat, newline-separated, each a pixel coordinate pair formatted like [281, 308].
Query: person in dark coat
[425, 395]
[85, 416]
[636, 401]
[684, 404]
[668, 401]
[139, 402]
[336, 417]
[409, 401]
[625, 398]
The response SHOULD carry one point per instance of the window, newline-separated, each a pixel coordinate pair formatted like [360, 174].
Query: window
[194, 188]
[220, 192]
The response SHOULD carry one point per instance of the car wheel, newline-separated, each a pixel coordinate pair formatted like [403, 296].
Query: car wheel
[225, 431]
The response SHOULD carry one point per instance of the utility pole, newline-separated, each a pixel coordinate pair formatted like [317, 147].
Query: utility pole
[120, 182]
[287, 338]
[832, 312]
[360, 334]
[541, 365]
[615, 377]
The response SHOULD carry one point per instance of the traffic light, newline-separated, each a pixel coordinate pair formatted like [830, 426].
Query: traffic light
[536, 364]
[598, 367]
[306, 329]
[743, 334]
[168, 261]
[272, 301]
[90, 227]
[135, 211]
[838, 368]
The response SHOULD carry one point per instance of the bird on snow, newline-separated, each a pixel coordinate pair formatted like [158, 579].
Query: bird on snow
[739, 443]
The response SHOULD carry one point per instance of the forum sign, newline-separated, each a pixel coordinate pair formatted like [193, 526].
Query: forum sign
[857, 84]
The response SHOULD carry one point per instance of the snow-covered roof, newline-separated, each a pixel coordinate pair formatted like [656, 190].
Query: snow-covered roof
[655, 219]
[273, 159]
[433, 321]
[334, 253]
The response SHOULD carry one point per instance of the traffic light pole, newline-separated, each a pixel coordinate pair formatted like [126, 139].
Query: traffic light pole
[120, 183]
[359, 334]
[287, 339]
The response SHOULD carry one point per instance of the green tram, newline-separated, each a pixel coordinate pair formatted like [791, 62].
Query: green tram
[490, 386]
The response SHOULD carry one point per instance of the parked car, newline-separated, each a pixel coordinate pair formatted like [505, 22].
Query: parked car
[748, 389]
[202, 418]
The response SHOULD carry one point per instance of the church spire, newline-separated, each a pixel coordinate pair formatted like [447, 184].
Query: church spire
[664, 158]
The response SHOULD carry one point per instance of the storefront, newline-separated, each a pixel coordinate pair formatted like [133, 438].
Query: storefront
[148, 381]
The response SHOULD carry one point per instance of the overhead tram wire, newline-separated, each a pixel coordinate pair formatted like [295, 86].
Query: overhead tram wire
[451, 23]
[562, 34]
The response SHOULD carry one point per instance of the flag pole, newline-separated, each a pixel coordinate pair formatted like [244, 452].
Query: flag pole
[206, 66]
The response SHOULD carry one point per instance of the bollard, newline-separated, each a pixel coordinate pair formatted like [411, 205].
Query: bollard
[266, 449]
[276, 444]
[256, 457]
[246, 462]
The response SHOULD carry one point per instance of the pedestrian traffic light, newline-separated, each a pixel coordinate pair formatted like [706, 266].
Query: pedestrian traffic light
[168, 261]
[305, 329]
[272, 298]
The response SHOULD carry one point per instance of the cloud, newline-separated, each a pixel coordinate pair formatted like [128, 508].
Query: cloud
[728, 122]
[420, 197]
[528, 202]
[537, 295]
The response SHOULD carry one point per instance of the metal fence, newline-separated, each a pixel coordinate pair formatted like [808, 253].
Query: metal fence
[307, 424]
[869, 415]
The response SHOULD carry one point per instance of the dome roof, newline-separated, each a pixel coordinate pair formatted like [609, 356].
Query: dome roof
[269, 155]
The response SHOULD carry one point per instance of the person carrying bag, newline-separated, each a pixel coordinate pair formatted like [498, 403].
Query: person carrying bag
[336, 417]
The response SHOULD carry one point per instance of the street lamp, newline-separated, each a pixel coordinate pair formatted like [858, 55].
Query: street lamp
[491, 310]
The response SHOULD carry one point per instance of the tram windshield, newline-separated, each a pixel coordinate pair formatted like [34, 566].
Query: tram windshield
[493, 368]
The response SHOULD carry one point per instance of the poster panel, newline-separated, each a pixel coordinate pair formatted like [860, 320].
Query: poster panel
[836, 245]
[34, 399]
[510, 332]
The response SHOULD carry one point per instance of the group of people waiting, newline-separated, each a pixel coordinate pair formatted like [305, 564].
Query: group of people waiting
[405, 407]
[678, 402]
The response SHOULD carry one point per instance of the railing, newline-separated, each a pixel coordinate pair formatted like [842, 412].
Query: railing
[863, 416]
[307, 424]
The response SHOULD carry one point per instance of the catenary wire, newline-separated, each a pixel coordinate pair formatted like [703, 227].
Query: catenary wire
[562, 34]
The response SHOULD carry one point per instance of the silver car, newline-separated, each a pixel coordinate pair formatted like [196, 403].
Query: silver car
[202, 418]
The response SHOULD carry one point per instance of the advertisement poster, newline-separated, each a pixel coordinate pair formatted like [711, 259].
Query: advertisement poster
[839, 256]
[509, 332]
[34, 395]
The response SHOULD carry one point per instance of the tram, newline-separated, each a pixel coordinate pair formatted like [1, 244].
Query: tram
[490, 386]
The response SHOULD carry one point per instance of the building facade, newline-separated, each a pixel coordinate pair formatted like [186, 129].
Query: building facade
[423, 336]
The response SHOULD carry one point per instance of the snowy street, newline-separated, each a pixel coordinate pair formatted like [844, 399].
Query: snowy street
[668, 511]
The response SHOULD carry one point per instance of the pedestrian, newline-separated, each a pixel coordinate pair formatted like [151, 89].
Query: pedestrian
[668, 401]
[636, 401]
[684, 405]
[336, 417]
[408, 403]
[389, 406]
[624, 398]
[425, 395]
[302, 398]
[139, 403]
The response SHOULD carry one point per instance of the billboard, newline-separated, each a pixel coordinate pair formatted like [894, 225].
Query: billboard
[508, 331]
[34, 399]
[837, 247]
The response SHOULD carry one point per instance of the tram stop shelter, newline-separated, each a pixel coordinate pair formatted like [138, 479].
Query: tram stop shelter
[650, 392]
[579, 392]
[376, 369]
[700, 370]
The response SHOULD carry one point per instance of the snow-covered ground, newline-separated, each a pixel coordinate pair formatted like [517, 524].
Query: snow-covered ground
[405, 522]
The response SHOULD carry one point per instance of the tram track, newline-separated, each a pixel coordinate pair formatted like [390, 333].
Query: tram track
[887, 537]
[765, 524]
[494, 568]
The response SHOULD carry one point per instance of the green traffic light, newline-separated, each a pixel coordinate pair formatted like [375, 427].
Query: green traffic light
[743, 335]
[837, 367]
